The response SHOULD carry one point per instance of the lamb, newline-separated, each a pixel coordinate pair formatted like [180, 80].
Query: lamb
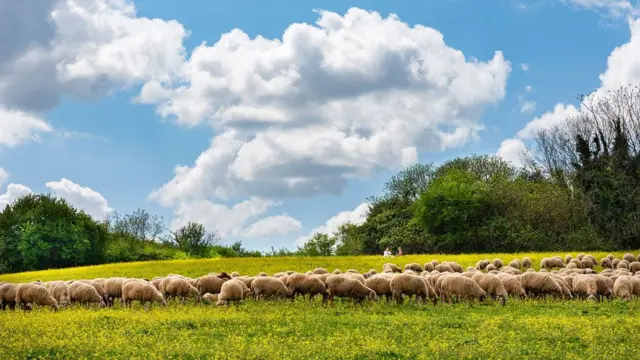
[320, 271]
[585, 286]
[232, 291]
[305, 284]
[497, 263]
[540, 284]
[623, 287]
[460, 287]
[414, 267]
[174, 286]
[381, 285]
[444, 267]
[8, 296]
[346, 286]
[526, 262]
[29, 294]
[515, 263]
[211, 283]
[59, 291]
[405, 284]
[492, 285]
[83, 293]
[265, 287]
[549, 263]
[512, 285]
[629, 257]
[143, 291]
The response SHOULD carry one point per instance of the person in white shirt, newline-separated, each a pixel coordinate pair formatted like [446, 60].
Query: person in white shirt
[387, 253]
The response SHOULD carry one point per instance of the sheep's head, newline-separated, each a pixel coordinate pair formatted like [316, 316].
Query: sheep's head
[289, 295]
[373, 296]
[224, 275]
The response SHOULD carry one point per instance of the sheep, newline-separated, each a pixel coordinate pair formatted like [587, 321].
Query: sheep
[634, 267]
[143, 291]
[585, 286]
[572, 266]
[490, 268]
[98, 285]
[414, 266]
[606, 263]
[248, 280]
[265, 287]
[428, 266]
[549, 263]
[492, 285]
[346, 286]
[629, 257]
[355, 276]
[391, 268]
[614, 263]
[305, 284]
[460, 287]
[279, 274]
[309, 273]
[8, 296]
[482, 264]
[515, 263]
[586, 263]
[28, 294]
[567, 258]
[370, 273]
[435, 262]
[454, 266]
[262, 274]
[623, 288]
[540, 284]
[323, 277]
[576, 262]
[623, 264]
[497, 263]
[113, 288]
[405, 284]
[174, 286]
[59, 290]
[512, 285]
[580, 256]
[235, 274]
[210, 298]
[232, 291]
[83, 293]
[289, 272]
[353, 271]
[526, 262]
[381, 285]
[337, 271]
[444, 267]
[211, 283]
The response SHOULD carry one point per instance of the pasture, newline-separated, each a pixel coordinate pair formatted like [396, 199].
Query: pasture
[549, 329]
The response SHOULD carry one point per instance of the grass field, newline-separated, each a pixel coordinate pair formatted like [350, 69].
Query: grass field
[300, 330]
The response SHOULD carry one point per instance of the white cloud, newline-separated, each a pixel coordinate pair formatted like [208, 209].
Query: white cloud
[614, 8]
[512, 150]
[84, 48]
[356, 216]
[524, 67]
[4, 175]
[528, 88]
[303, 114]
[273, 225]
[14, 191]
[80, 197]
[559, 114]
[528, 106]
[18, 127]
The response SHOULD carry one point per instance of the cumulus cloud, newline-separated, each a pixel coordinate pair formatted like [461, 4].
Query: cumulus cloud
[613, 8]
[512, 150]
[356, 216]
[302, 114]
[80, 197]
[14, 191]
[528, 106]
[18, 127]
[273, 225]
[4, 175]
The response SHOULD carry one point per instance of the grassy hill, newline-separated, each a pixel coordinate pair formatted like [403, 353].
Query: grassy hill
[303, 330]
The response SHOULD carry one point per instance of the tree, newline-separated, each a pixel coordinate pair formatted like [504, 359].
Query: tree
[348, 240]
[318, 245]
[140, 225]
[194, 239]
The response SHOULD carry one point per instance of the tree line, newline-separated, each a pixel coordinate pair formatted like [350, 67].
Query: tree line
[579, 189]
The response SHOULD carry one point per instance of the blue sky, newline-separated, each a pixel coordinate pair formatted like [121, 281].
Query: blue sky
[104, 103]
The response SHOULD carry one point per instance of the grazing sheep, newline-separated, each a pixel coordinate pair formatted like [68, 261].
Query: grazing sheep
[370, 273]
[263, 274]
[526, 262]
[113, 288]
[232, 291]
[490, 268]
[444, 267]
[492, 285]
[391, 268]
[567, 258]
[8, 296]
[248, 280]
[279, 274]
[614, 263]
[550, 263]
[623, 288]
[265, 287]
[414, 267]
[235, 274]
[512, 285]
[358, 277]
[497, 263]
[580, 256]
[309, 273]
[211, 283]
[353, 271]
[289, 272]
[99, 286]
[320, 271]
[515, 263]
[428, 266]
[460, 287]
[611, 257]
[59, 290]
[454, 266]
[623, 264]
[83, 293]
[381, 285]
[629, 257]
[405, 284]
[482, 264]
[337, 271]
[284, 279]
[634, 267]
[537, 284]
[586, 263]
[174, 286]
[143, 291]
[323, 277]
[606, 263]
[585, 286]
[347, 286]
[29, 294]
[572, 266]
[304, 284]
[210, 298]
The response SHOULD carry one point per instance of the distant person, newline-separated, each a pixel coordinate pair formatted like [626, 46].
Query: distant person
[387, 253]
[399, 251]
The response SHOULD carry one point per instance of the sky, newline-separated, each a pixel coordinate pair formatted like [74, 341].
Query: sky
[269, 121]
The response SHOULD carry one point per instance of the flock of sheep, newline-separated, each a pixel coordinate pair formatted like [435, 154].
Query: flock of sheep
[566, 278]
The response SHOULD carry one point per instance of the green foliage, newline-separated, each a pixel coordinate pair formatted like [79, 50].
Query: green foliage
[318, 245]
[194, 239]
